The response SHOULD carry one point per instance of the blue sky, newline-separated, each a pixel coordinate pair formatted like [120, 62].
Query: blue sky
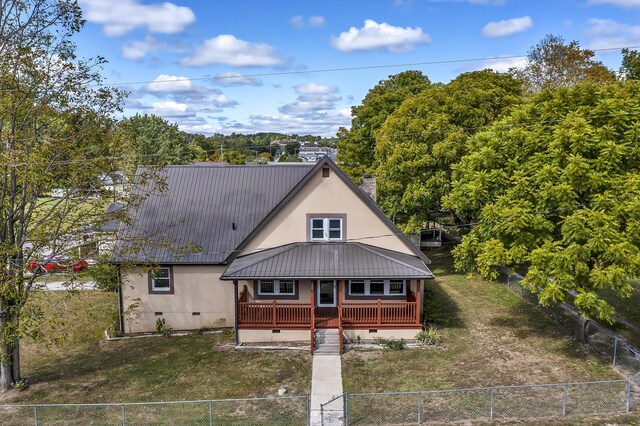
[245, 66]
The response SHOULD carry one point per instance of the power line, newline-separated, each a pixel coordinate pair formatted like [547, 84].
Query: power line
[329, 70]
[342, 69]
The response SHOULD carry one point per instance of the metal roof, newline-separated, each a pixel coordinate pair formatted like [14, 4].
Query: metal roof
[212, 208]
[332, 260]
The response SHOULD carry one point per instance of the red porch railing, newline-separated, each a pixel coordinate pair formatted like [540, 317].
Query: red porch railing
[274, 314]
[379, 313]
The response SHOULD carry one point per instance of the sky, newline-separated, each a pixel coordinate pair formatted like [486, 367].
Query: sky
[288, 65]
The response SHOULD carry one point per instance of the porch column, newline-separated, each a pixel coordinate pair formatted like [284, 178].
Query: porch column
[418, 301]
[235, 310]
[312, 314]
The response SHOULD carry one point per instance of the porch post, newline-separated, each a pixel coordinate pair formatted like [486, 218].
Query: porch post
[418, 301]
[235, 310]
[313, 314]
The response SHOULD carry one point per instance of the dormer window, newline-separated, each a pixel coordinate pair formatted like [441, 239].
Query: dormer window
[326, 228]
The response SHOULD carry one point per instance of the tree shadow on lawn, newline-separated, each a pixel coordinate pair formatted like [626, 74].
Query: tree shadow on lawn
[440, 308]
[526, 321]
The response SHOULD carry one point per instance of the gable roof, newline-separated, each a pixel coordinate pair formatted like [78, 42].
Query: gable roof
[321, 260]
[190, 211]
[200, 206]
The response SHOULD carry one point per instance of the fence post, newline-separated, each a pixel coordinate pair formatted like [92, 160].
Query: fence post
[419, 407]
[35, 414]
[628, 394]
[124, 419]
[491, 404]
[210, 413]
[615, 350]
[564, 402]
[346, 409]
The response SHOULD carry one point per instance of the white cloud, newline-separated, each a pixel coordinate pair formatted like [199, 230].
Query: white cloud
[170, 109]
[325, 124]
[137, 49]
[507, 27]
[313, 88]
[228, 50]
[628, 4]
[169, 84]
[317, 21]
[379, 36]
[235, 79]
[221, 100]
[297, 22]
[502, 64]
[607, 33]
[120, 17]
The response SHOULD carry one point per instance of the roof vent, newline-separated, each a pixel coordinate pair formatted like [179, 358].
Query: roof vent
[234, 226]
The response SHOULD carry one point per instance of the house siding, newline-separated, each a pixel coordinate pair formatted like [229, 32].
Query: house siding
[196, 289]
[326, 196]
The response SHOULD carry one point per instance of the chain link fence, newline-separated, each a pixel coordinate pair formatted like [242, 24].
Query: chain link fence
[600, 339]
[283, 411]
[487, 404]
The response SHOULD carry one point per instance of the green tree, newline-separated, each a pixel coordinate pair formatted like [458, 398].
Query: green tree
[152, 140]
[630, 68]
[55, 129]
[288, 158]
[234, 157]
[292, 147]
[553, 63]
[556, 187]
[356, 146]
[427, 134]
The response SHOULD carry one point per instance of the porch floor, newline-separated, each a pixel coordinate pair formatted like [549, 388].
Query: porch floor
[327, 318]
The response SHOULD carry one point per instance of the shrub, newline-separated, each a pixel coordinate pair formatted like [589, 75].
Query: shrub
[396, 345]
[428, 337]
[20, 385]
[163, 328]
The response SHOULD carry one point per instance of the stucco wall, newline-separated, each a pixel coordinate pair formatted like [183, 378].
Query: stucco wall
[267, 336]
[327, 196]
[401, 333]
[196, 289]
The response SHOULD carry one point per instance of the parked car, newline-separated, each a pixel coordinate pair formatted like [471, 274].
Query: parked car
[60, 263]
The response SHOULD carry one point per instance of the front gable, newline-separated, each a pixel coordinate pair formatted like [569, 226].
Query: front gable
[327, 192]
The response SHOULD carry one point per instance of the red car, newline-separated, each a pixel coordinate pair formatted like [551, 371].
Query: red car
[60, 263]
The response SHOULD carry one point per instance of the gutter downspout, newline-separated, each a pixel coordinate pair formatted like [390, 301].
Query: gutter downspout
[235, 311]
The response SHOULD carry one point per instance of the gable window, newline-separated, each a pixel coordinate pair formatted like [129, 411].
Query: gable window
[377, 287]
[276, 287]
[326, 229]
[161, 280]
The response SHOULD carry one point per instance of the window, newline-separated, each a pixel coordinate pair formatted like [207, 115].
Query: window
[377, 287]
[356, 287]
[326, 228]
[161, 280]
[276, 287]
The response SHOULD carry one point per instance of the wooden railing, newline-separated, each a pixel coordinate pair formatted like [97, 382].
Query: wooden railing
[379, 313]
[274, 314]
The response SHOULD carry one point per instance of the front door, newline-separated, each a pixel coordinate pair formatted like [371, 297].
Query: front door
[327, 294]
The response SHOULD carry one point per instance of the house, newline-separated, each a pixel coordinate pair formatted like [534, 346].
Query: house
[281, 251]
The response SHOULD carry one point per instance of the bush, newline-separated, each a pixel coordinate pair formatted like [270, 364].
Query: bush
[428, 337]
[396, 345]
[105, 276]
[20, 385]
[163, 328]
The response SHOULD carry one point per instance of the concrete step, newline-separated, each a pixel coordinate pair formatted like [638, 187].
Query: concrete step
[327, 342]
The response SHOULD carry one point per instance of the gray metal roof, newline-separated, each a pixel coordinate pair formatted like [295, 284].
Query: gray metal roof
[199, 208]
[340, 260]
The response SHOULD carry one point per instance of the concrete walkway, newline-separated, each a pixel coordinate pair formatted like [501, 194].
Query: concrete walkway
[326, 384]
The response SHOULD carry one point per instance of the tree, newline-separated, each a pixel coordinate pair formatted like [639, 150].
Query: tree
[152, 140]
[288, 158]
[630, 68]
[55, 128]
[292, 147]
[420, 141]
[234, 157]
[356, 146]
[552, 63]
[555, 187]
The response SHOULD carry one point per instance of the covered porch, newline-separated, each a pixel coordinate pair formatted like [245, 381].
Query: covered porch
[309, 286]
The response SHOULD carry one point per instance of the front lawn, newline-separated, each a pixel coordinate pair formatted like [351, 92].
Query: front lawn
[490, 337]
[85, 368]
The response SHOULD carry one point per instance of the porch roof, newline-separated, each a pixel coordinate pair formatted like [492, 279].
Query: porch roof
[332, 260]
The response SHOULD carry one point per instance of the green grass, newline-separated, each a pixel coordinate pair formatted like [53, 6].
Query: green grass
[87, 369]
[490, 337]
